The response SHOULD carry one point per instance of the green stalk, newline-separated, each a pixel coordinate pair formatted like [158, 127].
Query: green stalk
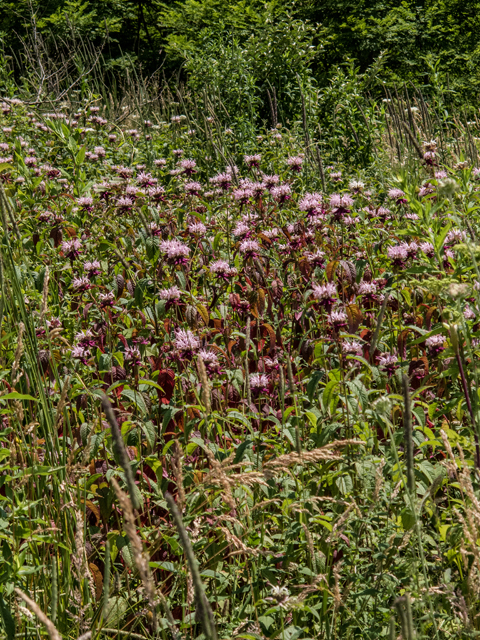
[203, 606]
[120, 450]
[408, 433]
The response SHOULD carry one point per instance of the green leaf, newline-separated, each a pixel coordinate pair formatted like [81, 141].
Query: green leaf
[150, 383]
[8, 621]
[218, 238]
[115, 609]
[181, 280]
[14, 395]
[329, 393]
[313, 383]
[148, 429]
[241, 450]
[137, 399]
[140, 289]
[440, 238]
[161, 309]
[105, 362]
[151, 246]
[408, 518]
[312, 417]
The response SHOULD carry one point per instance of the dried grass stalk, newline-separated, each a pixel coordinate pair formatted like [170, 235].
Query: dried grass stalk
[238, 544]
[323, 454]
[218, 476]
[52, 630]
[18, 354]
[337, 596]
[338, 526]
[311, 548]
[378, 480]
[139, 557]
[206, 394]
[62, 402]
[44, 306]
[79, 559]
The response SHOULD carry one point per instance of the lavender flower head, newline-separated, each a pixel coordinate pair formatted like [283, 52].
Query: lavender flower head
[186, 342]
[85, 203]
[325, 294]
[258, 189]
[270, 181]
[92, 268]
[282, 193]
[223, 180]
[316, 259]
[208, 356]
[259, 383]
[398, 255]
[124, 204]
[197, 228]
[295, 163]
[242, 230]
[71, 248]
[222, 269]
[132, 192]
[455, 236]
[80, 353]
[171, 295]
[388, 363]
[435, 344]
[243, 195]
[357, 186]
[210, 360]
[398, 195]
[271, 233]
[250, 249]
[146, 180]
[468, 313]
[352, 347]
[106, 299]
[428, 249]
[132, 355]
[85, 338]
[340, 204]
[411, 249]
[193, 188]
[369, 292]
[157, 194]
[253, 161]
[176, 251]
[338, 319]
[188, 166]
[81, 284]
[311, 203]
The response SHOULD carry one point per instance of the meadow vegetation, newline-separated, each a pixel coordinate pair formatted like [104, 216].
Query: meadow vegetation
[239, 335]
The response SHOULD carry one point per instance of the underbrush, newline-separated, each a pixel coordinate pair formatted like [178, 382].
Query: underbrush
[238, 385]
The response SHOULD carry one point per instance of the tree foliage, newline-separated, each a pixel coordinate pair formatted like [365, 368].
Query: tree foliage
[256, 55]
